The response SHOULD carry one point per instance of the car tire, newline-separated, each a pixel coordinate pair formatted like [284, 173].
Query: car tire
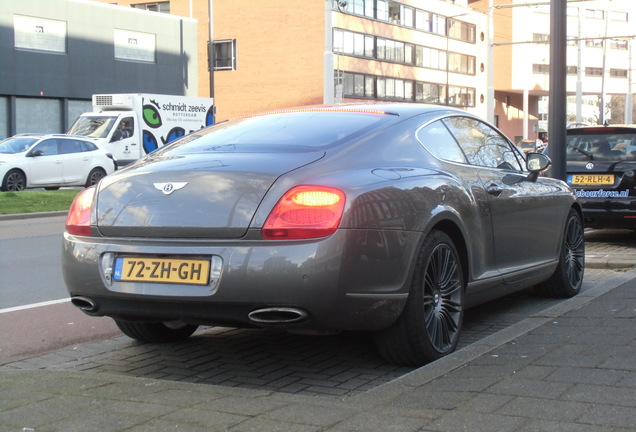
[14, 181]
[430, 324]
[160, 332]
[95, 176]
[567, 279]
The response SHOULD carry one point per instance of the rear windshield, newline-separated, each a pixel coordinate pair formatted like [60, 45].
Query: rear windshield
[287, 131]
[609, 146]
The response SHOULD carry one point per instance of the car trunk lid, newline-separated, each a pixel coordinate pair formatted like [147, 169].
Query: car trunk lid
[191, 196]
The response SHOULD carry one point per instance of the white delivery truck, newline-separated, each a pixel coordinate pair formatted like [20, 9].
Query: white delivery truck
[130, 126]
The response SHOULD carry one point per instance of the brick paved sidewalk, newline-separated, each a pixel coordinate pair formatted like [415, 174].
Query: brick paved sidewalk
[568, 367]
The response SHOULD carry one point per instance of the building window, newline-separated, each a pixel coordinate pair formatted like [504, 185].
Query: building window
[225, 54]
[593, 72]
[540, 37]
[618, 73]
[357, 85]
[460, 96]
[540, 69]
[572, 70]
[39, 34]
[400, 14]
[459, 63]
[428, 93]
[618, 16]
[423, 21]
[595, 14]
[594, 43]
[134, 46]
[163, 7]
[382, 10]
[619, 44]
[407, 16]
[460, 30]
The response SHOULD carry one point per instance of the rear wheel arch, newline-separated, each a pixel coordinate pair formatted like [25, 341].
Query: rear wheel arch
[430, 323]
[95, 176]
[453, 230]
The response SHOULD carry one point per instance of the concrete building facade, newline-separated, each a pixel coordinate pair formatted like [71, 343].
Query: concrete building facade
[278, 54]
[57, 53]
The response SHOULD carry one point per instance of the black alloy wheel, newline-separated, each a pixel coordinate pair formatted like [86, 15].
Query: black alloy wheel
[568, 276]
[430, 325]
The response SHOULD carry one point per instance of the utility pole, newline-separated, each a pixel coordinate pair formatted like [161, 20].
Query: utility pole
[557, 105]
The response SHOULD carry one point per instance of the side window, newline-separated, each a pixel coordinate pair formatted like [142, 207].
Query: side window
[130, 126]
[47, 147]
[70, 146]
[482, 144]
[88, 146]
[124, 129]
[437, 139]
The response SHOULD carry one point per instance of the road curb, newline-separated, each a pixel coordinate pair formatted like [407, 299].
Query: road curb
[20, 216]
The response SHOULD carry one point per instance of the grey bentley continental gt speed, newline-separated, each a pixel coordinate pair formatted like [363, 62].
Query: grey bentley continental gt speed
[391, 219]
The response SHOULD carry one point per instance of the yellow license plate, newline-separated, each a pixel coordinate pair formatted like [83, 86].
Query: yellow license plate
[592, 179]
[163, 270]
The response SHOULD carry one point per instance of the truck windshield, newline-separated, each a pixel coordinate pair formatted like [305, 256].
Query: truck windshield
[93, 127]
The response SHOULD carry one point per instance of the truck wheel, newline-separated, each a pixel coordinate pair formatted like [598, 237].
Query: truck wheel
[567, 279]
[14, 181]
[430, 324]
[95, 176]
[171, 331]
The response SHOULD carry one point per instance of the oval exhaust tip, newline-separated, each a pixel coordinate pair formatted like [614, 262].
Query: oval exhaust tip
[278, 315]
[84, 304]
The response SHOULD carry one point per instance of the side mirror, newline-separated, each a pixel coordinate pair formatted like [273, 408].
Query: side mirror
[537, 162]
[35, 153]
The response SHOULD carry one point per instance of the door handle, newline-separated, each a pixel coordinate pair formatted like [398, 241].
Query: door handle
[494, 190]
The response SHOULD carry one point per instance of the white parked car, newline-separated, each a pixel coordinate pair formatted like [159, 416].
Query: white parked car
[51, 161]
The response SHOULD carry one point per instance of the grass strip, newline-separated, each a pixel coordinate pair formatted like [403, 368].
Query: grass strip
[32, 201]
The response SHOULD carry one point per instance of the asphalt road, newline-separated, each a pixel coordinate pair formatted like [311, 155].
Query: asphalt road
[30, 254]
[35, 313]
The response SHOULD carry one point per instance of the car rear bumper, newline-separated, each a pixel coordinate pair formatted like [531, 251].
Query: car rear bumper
[348, 281]
[609, 214]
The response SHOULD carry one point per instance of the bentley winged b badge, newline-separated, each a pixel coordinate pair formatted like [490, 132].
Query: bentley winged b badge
[168, 188]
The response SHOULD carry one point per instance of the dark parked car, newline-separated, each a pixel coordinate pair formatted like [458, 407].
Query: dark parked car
[51, 161]
[601, 161]
[390, 219]
[530, 146]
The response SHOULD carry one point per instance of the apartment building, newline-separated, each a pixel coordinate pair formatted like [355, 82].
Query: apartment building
[275, 54]
[600, 35]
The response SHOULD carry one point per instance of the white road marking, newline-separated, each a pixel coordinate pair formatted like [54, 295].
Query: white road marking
[34, 305]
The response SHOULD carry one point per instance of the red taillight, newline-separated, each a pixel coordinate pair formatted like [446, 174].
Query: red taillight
[78, 220]
[305, 212]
